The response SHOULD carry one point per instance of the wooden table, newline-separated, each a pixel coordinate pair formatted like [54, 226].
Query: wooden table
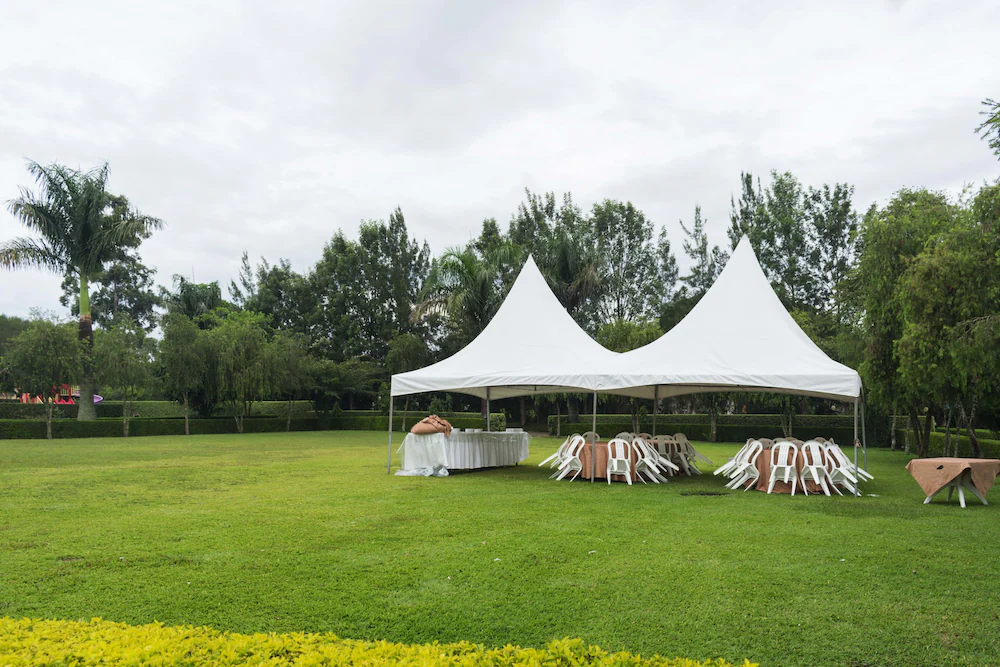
[937, 474]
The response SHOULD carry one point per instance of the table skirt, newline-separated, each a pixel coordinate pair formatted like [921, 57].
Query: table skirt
[464, 451]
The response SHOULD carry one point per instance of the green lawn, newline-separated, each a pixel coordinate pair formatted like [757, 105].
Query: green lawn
[306, 532]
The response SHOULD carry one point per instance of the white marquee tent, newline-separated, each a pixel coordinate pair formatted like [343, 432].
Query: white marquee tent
[739, 337]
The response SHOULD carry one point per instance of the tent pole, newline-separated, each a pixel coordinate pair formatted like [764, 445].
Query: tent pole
[593, 444]
[857, 487]
[864, 443]
[656, 405]
[388, 460]
[487, 409]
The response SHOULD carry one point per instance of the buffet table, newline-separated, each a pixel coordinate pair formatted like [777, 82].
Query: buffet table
[462, 451]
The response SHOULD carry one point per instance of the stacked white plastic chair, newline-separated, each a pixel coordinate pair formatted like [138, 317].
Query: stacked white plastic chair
[745, 473]
[727, 467]
[814, 468]
[690, 453]
[556, 459]
[841, 470]
[783, 455]
[663, 451]
[648, 462]
[619, 459]
[571, 462]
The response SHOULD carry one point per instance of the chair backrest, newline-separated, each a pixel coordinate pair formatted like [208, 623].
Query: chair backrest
[643, 448]
[625, 435]
[783, 453]
[753, 451]
[836, 455]
[619, 449]
[767, 442]
[819, 440]
[812, 454]
[645, 436]
[575, 444]
[591, 436]
[680, 437]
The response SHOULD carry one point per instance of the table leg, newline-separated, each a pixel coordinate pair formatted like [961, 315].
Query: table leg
[950, 489]
[961, 495]
[967, 483]
[949, 486]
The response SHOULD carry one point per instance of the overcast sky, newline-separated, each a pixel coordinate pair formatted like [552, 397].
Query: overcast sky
[249, 126]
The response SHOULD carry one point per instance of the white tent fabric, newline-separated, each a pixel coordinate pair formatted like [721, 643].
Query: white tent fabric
[531, 346]
[738, 337]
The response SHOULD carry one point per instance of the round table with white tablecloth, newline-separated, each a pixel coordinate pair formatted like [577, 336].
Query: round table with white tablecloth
[464, 450]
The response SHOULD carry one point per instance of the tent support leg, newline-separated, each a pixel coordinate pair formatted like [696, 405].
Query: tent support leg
[857, 487]
[656, 405]
[593, 445]
[487, 409]
[388, 459]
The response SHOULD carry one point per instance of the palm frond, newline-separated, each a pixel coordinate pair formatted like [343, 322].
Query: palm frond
[22, 253]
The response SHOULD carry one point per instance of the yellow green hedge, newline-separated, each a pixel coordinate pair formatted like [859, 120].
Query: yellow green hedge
[97, 642]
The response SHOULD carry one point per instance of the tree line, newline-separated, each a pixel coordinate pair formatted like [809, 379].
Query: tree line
[906, 292]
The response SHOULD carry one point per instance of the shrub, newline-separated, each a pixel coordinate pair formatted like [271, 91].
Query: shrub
[991, 448]
[97, 642]
[762, 420]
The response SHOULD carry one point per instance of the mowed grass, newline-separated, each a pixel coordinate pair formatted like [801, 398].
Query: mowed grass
[305, 531]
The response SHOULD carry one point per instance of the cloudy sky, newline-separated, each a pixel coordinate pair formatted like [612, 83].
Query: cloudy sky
[249, 126]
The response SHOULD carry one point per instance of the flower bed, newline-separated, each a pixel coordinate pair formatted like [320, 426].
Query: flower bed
[97, 642]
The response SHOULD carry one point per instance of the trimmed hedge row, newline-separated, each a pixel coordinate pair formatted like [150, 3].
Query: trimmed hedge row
[991, 448]
[97, 642]
[761, 420]
[723, 433]
[20, 429]
[148, 410]
[349, 421]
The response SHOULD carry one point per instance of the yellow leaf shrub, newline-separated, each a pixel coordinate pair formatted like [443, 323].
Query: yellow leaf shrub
[97, 642]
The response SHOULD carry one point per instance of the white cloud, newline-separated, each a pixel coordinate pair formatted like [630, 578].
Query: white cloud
[245, 125]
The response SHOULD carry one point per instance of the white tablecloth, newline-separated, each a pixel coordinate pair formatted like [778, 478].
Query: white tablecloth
[464, 451]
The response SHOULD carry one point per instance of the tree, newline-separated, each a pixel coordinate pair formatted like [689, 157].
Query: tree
[244, 362]
[244, 293]
[889, 238]
[197, 301]
[833, 224]
[331, 380]
[749, 218]
[10, 327]
[407, 352]
[790, 233]
[123, 289]
[123, 357]
[182, 358]
[291, 372]
[990, 127]
[83, 227]
[43, 357]
[466, 289]
[706, 263]
[627, 260]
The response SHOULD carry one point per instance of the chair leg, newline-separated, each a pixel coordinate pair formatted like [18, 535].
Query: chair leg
[793, 486]
[770, 485]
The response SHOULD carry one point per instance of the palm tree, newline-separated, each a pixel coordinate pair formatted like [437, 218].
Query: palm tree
[572, 272]
[467, 288]
[82, 227]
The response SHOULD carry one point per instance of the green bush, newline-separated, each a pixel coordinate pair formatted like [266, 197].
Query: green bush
[991, 448]
[111, 427]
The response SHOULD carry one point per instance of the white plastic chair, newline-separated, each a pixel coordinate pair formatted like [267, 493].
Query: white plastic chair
[591, 436]
[860, 473]
[783, 456]
[663, 454]
[645, 436]
[619, 459]
[557, 458]
[572, 462]
[767, 442]
[730, 465]
[747, 473]
[839, 469]
[625, 435]
[814, 467]
[648, 462]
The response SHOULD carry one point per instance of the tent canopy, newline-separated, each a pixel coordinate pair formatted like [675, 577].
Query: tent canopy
[738, 337]
[531, 346]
